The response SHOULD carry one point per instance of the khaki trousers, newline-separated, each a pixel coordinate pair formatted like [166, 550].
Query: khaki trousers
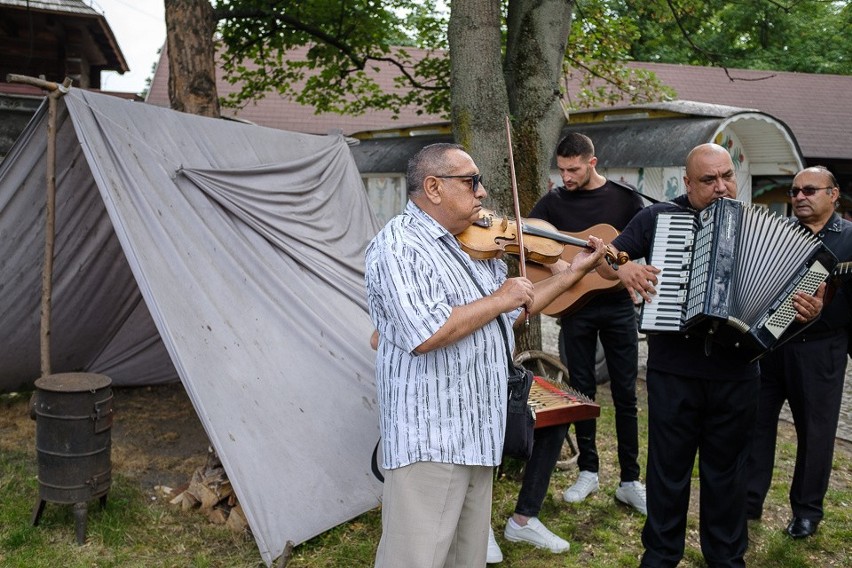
[435, 515]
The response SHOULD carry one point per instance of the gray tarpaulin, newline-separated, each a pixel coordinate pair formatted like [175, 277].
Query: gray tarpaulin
[225, 254]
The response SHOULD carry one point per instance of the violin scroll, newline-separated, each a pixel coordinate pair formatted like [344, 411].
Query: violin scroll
[615, 259]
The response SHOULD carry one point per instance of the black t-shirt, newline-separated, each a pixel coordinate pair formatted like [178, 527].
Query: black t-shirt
[575, 211]
[675, 353]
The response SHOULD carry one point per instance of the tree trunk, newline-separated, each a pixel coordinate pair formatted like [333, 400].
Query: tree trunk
[486, 89]
[537, 33]
[192, 63]
[479, 103]
[535, 47]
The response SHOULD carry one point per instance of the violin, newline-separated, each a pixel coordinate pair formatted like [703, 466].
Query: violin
[492, 235]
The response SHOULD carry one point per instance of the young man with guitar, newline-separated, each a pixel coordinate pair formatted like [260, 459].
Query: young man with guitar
[587, 199]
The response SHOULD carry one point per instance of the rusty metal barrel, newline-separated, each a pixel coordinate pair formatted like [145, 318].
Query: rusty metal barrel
[73, 413]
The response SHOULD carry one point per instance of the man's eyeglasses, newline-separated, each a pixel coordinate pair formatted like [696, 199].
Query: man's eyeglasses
[807, 190]
[475, 179]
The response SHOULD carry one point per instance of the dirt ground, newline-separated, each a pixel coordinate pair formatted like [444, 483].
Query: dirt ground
[156, 435]
[158, 440]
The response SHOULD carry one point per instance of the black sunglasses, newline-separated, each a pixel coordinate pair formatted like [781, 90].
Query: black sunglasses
[807, 191]
[475, 179]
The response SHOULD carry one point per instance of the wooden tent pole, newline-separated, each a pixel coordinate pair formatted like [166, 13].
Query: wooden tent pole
[55, 91]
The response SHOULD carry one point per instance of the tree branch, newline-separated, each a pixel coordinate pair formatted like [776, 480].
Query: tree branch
[712, 57]
[358, 61]
[411, 79]
[593, 73]
[345, 48]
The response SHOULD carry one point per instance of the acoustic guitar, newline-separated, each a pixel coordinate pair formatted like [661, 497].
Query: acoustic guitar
[588, 287]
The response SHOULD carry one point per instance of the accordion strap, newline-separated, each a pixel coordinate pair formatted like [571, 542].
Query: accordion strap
[629, 187]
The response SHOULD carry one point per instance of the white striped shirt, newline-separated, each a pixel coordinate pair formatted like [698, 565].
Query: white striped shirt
[447, 405]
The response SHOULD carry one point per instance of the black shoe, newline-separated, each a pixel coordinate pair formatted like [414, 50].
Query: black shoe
[801, 528]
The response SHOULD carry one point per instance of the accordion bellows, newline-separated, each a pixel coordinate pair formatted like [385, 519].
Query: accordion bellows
[730, 273]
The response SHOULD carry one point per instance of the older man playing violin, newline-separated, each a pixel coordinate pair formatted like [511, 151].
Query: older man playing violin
[441, 363]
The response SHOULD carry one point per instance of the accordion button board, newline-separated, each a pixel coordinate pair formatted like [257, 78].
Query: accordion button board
[671, 252]
[731, 272]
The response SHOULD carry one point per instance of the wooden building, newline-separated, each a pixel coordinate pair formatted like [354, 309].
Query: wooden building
[52, 39]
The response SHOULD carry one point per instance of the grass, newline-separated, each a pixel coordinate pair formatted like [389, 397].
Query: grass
[135, 530]
[129, 532]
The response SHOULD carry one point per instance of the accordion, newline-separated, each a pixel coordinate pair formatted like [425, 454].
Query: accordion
[729, 273]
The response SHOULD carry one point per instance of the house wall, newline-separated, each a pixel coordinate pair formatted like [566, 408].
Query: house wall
[386, 193]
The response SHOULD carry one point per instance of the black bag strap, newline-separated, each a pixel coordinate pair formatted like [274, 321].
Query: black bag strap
[629, 187]
[374, 462]
[500, 318]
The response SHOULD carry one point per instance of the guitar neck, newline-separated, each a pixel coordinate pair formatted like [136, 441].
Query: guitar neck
[558, 237]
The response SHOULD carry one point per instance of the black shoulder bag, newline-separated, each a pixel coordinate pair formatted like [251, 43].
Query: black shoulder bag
[520, 417]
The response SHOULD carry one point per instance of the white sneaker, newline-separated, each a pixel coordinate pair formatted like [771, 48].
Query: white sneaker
[494, 554]
[632, 493]
[535, 534]
[587, 482]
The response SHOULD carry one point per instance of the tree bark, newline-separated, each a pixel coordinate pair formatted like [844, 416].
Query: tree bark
[537, 36]
[190, 25]
[525, 85]
[479, 102]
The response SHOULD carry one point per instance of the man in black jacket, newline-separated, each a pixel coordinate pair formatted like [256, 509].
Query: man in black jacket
[808, 371]
[698, 402]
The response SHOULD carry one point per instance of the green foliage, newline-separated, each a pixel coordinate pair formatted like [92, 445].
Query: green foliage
[347, 43]
[344, 44]
[808, 36]
[599, 46]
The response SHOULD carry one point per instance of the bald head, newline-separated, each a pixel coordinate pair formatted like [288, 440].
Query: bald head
[704, 152]
[709, 175]
[822, 173]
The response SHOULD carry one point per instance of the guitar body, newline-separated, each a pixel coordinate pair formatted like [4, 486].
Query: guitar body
[588, 287]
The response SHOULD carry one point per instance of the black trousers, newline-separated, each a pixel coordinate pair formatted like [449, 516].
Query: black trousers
[714, 419]
[809, 374]
[614, 320]
[539, 468]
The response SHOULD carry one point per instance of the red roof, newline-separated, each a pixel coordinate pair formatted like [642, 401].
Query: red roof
[275, 111]
[817, 108]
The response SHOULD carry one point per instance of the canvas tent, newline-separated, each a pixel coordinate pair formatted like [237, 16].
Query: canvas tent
[225, 254]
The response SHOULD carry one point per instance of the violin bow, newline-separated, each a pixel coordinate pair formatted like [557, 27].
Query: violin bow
[522, 261]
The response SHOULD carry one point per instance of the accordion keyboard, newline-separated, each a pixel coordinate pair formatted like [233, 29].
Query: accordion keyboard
[672, 254]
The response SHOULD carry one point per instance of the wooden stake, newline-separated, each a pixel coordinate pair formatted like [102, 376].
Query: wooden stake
[55, 91]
